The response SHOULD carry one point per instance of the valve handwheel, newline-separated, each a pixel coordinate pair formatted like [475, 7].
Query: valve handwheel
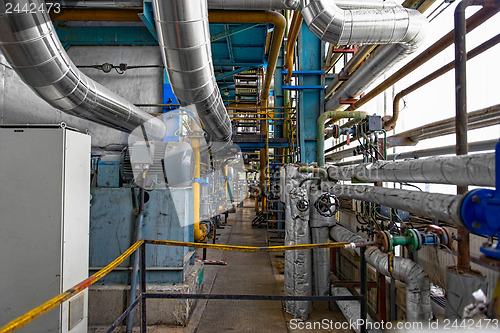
[302, 205]
[327, 205]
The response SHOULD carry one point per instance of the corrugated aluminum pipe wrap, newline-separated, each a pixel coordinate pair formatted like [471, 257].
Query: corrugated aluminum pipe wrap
[418, 302]
[384, 58]
[254, 4]
[184, 38]
[357, 26]
[31, 46]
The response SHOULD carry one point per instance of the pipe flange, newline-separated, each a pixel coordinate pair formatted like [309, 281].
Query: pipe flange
[415, 241]
[383, 241]
[327, 205]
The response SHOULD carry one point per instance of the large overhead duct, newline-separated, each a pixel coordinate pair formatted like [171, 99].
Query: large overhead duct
[418, 301]
[31, 46]
[184, 38]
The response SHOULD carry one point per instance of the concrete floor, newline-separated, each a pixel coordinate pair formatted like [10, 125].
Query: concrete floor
[245, 273]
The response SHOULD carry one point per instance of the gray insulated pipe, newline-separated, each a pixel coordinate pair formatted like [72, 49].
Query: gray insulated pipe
[418, 300]
[32, 48]
[184, 38]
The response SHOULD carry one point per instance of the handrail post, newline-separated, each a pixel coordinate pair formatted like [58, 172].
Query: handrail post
[363, 289]
[142, 254]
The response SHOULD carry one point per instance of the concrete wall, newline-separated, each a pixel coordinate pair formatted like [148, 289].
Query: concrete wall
[20, 105]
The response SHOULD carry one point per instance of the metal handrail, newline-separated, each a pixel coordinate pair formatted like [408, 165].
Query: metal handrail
[37, 312]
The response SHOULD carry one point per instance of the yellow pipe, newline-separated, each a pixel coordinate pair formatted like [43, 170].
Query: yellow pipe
[290, 48]
[199, 233]
[227, 182]
[121, 15]
[249, 16]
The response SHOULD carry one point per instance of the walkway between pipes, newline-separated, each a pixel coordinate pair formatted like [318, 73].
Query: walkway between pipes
[245, 273]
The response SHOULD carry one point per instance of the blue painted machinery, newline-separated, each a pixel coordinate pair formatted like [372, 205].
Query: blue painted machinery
[481, 211]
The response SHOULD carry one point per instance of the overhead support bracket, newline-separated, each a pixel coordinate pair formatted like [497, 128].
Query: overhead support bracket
[232, 31]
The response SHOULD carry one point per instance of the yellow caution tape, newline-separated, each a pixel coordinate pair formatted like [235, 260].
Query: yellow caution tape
[59, 299]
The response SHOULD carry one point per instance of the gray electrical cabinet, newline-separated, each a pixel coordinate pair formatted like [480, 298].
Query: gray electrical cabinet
[44, 224]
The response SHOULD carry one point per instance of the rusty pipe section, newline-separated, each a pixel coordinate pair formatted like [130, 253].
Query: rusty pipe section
[390, 123]
[30, 44]
[477, 170]
[279, 22]
[290, 48]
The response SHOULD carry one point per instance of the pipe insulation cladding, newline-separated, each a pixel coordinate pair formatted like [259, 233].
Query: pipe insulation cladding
[184, 38]
[438, 206]
[478, 170]
[31, 46]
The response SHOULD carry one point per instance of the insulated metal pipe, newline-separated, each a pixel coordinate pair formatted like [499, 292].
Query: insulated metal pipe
[391, 122]
[478, 146]
[438, 206]
[418, 301]
[477, 170]
[30, 44]
[320, 125]
[472, 23]
[184, 38]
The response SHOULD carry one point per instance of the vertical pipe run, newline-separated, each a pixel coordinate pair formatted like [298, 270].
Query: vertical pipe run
[461, 123]
[199, 234]
[461, 120]
[136, 258]
[142, 252]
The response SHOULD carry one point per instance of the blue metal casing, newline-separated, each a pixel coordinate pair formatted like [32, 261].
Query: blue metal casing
[111, 232]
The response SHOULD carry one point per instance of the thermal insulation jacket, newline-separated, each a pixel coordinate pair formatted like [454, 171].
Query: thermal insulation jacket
[184, 38]
[477, 169]
[298, 264]
[319, 222]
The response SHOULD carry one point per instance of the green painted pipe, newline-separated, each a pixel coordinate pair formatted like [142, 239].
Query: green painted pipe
[335, 116]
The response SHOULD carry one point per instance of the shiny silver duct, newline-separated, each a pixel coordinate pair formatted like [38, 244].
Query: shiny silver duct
[32, 48]
[361, 26]
[418, 299]
[184, 38]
